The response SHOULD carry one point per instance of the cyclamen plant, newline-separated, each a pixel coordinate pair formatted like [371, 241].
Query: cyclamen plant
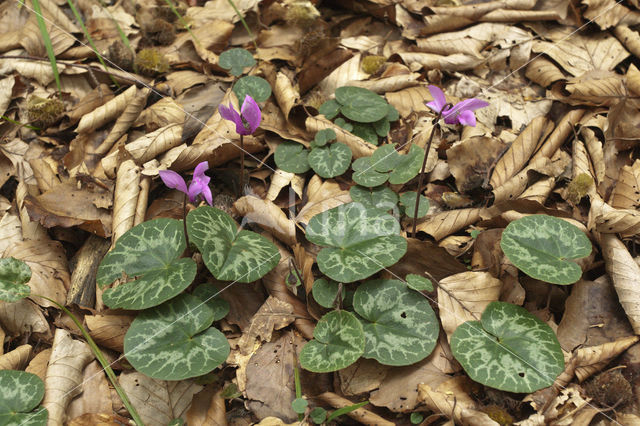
[246, 121]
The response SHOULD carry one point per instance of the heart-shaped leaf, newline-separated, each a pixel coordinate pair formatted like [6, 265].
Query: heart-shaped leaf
[330, 109]
[380, 197]
[400, 327]
[338, 341]
[330, 160]
[365, 174]
[361, 105]
[150, 252]
[408, 166]
[539, 245]
[207, 293]
[323, 137]
[230, 255]
[256, 87]
[344, 124]
[325, 292]
[408, 203]
[386, 158]
[236, 60]
[14, 276]
[419, 283]
[360, 241]
[382, 127]
[292, 157]
[366, 132]
[508, 349]
[174, 341]
[21, 393]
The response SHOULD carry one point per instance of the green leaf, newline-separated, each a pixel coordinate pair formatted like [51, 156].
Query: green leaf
[365, 174]
[400, 327]
[292, 157]
[419, 283]
[386, 158]
[361, 105]
[21, 391]
[392, 114]
[343, 123]
[299, 405]
[230, 255]
[236, 60]
[338, 342]
[382, 127]
[360, 241]
[509, 349]
[174, 341]
[408, 202]
[539, 245]
[330, 160]
[416, 418]
[345, 410]
[330, 109]
[325, 292]
[150, 252]
[380, 197]
[256, 87]
[318, 415]
[323, 137]
[38, 417]
[176, 422]
[14, 276]
[366, 132]
[408, 166]
[207, 293]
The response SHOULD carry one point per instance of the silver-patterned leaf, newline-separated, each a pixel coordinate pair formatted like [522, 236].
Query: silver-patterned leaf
[21, 393]
[14, 276]
[330, 160]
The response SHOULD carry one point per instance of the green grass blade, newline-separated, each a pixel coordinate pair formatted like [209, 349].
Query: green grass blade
[47, 43]
[17, 123]
[123, 36]
[182, 21]
[88, 36]
[345, 410]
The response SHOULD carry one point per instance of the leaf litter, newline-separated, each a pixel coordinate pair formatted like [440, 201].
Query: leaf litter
[557, 138]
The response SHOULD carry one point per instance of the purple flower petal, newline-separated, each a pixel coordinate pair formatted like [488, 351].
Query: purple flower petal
[200, 169]
[196, 187]
[206, 192]
[467, 118]
[250, 111]
[229, 113]
[173, 180]
[439, 101]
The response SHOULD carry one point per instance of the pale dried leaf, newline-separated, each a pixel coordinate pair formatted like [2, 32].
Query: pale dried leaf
[543, 71]
[322, 196]
[158, 401]
[6, 88]
[463, 297]
[152, 144]
[64, 374]
[96, 397]
[410, 99]
[626, 192]
[590, 360]
[208, 408]
[108, 330]
[268, 216]
[389, 84]
[125, 199]
[279, 179]
[448, 222]
[10, 231]
[161, 114]
[124, 121]
[625, 275]
[609, 13]
[594, 147]
[362, 376]
[341, 76]
[16, 359]
[361, 415]
[107, 112]
[451, 399]
[39, 364]
[560, 133]
[454, 62]
[274, 314]
[286, 95]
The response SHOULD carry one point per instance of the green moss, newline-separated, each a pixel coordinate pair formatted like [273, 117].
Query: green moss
[579, 187]
[44, 112]
[151, 62]
[371, 64]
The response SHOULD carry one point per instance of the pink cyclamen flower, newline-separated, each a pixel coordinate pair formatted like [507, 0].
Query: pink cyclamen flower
[248, 120]
[199, 184]
[462, 112]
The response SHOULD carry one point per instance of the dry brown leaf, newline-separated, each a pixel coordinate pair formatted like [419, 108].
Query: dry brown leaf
[39, 364]
[64, 374]
[626, 192]
[471, 160]
[163, 113]
[543, 71]
[285, 93]
[269, 216]
[16, 359]
[321, 196]
[359, 147]
[592, 359]
[274, 314]
[411, 99]
[455, 62]
[612, 221]
[98, 419]
[30, 230]
[515, 186]
[96, 397]
[158, 401]
[207, 408]
[152, 144]
[609, 13]
[361, 415]
[279, 179]
[341, 76]
[362, 376]
[125, 199]
[451, 399]
[594, 147]
[426, 258]
[107, 112]
[624, 273]
[597, 88]
[628, 419]
[520, 150]
[49, 270]
[10, 231]
[463, 297]
[389, 84]
[108, 329]
[560, 134]
[448, 222]
[21, 317]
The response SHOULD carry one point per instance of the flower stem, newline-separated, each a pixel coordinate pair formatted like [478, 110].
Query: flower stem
[103, 361]
[184, 224]
[241, 164]
[436, 125]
